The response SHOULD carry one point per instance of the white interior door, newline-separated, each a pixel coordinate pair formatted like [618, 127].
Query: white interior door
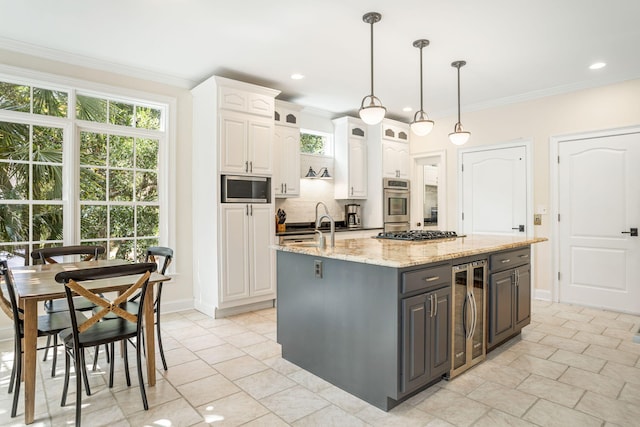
[495, 191]
[599, 203]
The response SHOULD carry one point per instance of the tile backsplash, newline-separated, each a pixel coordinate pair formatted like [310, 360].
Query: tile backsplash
[312, 191]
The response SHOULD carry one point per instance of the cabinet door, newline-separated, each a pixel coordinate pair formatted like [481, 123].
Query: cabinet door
[262, 258]
[500, 306]
[440, 334]
[234, 239]
[286, 171]
[415, 351]
[522, 303]
[389, 160]
[402, 159]
[260, 140]
[233, 143]
[357, 168]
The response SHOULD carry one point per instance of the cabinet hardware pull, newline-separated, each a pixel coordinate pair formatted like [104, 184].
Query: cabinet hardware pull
[282, 188]
[524, 256]
[504, 261]
[285, 188]
[247, 209]
[251, 166]
[431, 279]
[246, 166]
[435, 303]
[251, 210]
[352, 191]
[430, 305]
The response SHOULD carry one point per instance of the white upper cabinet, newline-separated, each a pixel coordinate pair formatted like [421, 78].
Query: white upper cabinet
[395, 159]
[245, 143]
[232, 98]
[286, 149]
[350, 161]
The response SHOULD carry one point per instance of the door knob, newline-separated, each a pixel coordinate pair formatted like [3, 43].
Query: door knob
[632, 231]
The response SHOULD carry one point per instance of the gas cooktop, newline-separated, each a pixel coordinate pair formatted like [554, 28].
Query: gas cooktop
[417, 235]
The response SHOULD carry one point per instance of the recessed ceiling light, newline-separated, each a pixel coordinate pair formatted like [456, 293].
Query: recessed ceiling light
[297, 76]
[407, 109]
[597, 65]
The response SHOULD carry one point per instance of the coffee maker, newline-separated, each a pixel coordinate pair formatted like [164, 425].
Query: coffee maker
[352, 215]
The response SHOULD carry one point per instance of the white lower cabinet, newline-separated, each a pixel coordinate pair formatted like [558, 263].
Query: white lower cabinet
[246, 272]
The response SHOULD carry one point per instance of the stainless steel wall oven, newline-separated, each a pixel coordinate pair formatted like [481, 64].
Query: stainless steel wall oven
[396, 204]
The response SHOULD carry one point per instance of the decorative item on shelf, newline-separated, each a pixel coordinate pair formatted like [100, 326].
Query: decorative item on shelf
[421, 125]
[323, 173]
[459, 136]
[371, 110]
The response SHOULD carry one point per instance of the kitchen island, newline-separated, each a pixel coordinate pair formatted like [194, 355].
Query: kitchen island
[373, 316]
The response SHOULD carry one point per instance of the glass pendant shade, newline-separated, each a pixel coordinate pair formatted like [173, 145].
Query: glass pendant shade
[421, 125]
[374, 112]
[459, 136]
[371, 110]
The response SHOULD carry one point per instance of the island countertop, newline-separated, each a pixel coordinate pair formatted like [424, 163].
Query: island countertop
[400, 254]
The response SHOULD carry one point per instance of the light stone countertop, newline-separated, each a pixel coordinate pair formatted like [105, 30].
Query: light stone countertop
[400, 254]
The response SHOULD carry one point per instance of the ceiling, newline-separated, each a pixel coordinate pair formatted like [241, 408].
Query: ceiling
[515, 49]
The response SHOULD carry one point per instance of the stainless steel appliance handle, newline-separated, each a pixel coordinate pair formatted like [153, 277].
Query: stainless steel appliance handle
[475, 314]
[468, 298]
[464, 316]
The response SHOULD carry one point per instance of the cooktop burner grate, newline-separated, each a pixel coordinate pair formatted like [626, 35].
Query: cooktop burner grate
[417, 235]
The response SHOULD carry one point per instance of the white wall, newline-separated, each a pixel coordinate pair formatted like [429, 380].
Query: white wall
[606, 107]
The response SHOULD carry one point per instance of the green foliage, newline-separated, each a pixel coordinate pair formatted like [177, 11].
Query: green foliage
[116, 173]
[311, 144]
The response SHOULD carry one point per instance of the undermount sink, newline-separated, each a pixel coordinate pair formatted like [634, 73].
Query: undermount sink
[306, 244]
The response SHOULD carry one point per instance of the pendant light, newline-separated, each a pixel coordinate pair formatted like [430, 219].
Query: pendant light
[421, 125]
[371, 110]
[459, 136]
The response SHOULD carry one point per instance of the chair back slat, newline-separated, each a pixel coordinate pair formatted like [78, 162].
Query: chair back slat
[47, 255]
[153, 252]
[10, 307]
[73, 283]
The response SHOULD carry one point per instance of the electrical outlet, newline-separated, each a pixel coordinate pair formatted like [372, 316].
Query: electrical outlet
[537, 219]
[317, 268]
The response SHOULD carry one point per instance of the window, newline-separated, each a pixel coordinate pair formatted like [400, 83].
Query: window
[88, 179]
[319, 143]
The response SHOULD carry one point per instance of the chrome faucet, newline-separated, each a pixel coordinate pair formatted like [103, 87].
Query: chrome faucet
[333, 227]
[326, 211]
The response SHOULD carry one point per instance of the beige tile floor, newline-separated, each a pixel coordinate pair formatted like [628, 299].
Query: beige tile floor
[573, 366]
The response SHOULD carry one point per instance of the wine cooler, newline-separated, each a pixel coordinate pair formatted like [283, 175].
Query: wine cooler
[468, 317]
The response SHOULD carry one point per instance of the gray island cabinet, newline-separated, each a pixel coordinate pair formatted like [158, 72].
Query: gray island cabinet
[374, 317]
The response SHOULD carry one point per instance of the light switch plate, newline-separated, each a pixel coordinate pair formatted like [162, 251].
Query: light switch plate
[537, 219]
[317, 268]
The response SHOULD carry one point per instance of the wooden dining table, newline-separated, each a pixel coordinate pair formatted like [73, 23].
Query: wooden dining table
[37, 283]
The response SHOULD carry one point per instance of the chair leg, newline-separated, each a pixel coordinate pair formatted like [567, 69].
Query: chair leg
[164, 362]
[106, 350]
[83, 367]
[16, 350]
[79, 361]
[143, 393]
[125, 354]
[95, 358]
[111, 366]
[55, 353]
[16, 392]
[46, 350]
[67, 368]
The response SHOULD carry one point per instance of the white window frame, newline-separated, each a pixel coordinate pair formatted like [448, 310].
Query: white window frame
[166, 153]
[328, 142]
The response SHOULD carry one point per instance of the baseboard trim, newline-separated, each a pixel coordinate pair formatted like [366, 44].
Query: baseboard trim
[224, 312]
[542, 294]
[6, 333]
[179, 305]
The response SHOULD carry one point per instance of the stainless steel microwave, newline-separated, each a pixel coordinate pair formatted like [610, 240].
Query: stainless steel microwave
[245, 189]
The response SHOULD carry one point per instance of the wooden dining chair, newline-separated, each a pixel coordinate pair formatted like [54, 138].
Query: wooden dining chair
[163, 257]
[48, 324]
[57, 254]
[94, 333]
